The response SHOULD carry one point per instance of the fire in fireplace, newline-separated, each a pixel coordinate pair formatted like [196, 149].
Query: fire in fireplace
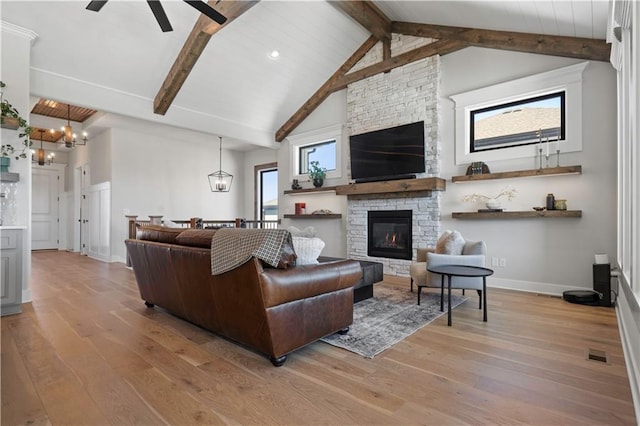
[389, 234]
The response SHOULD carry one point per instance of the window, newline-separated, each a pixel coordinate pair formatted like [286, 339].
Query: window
[266, 194]
[323, 145]
[324, 153]
[479, 109]
[521, 122]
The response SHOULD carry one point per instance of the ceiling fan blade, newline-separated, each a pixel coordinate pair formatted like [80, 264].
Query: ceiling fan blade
[96, 5]
[207, 10]
[161, 17]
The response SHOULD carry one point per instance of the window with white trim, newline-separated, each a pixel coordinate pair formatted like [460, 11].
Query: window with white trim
[323, 145]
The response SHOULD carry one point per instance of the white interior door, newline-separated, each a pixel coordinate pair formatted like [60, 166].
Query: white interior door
[45, 208]
[85, 209]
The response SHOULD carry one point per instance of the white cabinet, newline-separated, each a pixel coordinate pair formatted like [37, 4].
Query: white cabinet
[10, 271]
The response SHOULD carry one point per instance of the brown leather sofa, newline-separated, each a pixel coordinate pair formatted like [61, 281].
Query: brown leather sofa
[273, 311]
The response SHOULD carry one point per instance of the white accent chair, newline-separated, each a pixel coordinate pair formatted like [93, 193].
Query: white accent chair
[457, 252]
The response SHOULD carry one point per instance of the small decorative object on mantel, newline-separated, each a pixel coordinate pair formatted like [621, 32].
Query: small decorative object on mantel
[560, 205]
[477, 168]
[550, 202]
[322, 211]
[295, 184]
[317, 173]
[492, 203]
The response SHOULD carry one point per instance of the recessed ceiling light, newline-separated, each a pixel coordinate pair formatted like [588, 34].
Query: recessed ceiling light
[274, 54]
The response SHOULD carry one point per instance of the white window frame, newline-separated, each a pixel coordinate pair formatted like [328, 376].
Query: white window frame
[567, 79]
[314, 137]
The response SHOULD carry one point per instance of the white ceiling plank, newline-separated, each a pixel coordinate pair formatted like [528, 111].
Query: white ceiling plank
[116, 60]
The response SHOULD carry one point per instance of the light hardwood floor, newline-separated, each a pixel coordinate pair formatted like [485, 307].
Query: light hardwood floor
[87, 351]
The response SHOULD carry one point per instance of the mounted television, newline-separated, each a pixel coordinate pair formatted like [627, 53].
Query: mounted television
[394, 153]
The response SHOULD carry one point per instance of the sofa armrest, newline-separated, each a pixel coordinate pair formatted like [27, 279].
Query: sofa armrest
[286, 285]
[434, 259]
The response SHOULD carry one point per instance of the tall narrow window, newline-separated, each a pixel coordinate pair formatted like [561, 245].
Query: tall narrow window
[267, 192]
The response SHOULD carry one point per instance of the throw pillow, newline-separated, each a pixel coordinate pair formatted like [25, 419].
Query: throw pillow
[307, 250]
[452, 243]
[474, 247]
[308, 232]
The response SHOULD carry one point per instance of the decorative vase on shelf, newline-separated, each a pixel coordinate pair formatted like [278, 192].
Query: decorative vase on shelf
[5, 162]
[318, 182]
[493, 204]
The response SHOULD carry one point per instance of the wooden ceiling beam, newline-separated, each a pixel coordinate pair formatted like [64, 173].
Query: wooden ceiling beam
[368, 15]
[441, 47]
[193, 47]
[324, 91]
[570, 47]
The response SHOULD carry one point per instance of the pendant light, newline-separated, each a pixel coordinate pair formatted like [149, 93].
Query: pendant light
[220, 181]
[68, 136]
[41, 154]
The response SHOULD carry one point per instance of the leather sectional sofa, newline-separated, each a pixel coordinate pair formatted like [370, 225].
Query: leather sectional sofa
[273, 311]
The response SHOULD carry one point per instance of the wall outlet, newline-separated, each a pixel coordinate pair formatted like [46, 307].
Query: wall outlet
[502, 262]
[494, 261]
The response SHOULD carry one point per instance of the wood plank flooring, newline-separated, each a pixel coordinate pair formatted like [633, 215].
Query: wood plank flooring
[87, 351]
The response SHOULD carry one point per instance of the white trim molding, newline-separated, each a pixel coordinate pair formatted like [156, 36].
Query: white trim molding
[567, 79]
[19, 31]
[312, 137]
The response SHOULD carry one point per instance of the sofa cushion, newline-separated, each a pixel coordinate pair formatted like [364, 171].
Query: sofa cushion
[196, 237]
[307, 249]
[158, 233]
[450, 242]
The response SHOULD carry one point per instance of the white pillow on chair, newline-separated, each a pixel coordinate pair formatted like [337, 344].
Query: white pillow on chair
[307, 249]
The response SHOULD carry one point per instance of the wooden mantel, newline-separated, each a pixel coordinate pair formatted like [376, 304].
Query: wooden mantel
[393, 186]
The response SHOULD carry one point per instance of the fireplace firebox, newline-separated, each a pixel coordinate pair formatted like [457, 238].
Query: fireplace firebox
[389, 234]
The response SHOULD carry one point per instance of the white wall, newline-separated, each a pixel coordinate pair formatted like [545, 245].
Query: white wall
[156, 176]
[545, 255]
[16, 52]
[332, 231]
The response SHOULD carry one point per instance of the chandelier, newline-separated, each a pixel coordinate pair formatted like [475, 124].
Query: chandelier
[68, 137]
[41, 154]
[220, 181]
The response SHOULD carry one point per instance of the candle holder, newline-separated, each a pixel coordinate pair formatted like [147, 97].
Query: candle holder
[540, 156]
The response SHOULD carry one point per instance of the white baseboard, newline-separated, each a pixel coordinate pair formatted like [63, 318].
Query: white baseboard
[531, 286]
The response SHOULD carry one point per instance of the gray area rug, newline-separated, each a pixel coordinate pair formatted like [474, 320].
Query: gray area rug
[385, 319]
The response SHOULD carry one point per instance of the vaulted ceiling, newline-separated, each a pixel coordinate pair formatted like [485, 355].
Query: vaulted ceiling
[118, 61]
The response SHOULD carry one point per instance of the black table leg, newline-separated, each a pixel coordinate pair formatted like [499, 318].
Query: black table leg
[449, 299]
[484, 296]
[419, 291]
[441, 293]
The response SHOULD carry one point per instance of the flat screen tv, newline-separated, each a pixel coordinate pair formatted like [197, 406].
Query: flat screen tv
[387, 154]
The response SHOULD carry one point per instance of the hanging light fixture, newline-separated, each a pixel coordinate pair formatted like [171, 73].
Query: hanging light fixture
[220, 181]
[41, 154]
[68, 136]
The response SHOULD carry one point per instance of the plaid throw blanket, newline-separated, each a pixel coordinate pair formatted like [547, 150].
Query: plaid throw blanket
[231, 248]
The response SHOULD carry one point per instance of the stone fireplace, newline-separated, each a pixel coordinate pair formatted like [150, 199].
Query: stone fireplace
[404, 95]
[389, 234]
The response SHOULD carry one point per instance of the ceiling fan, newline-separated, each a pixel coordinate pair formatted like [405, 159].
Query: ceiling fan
[161, 16]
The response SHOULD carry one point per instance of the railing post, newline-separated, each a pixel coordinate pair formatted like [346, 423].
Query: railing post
[131, 223]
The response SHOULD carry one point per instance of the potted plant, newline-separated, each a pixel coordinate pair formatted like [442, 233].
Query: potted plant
[11, 119]
[317, 173]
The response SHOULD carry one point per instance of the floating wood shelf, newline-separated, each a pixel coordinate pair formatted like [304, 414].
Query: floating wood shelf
[11, 123]
[9, 177]
[520, 173]
[313, 216]
[393, 186]
[516, 214]
[309, 190]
